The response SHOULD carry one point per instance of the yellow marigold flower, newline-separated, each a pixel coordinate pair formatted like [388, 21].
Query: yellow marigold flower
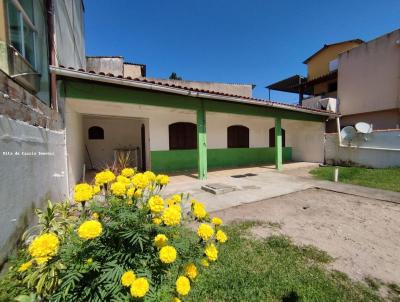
[44, 245]
[162, 179]
[128, 278]
[191, 271]
[138, 193]
[24, 266]
[172, 216]
[140, 181]
[130, 192]
[205, 231]
[89, 261]
[42, 260]
[216, 221]
[199, 210]
[170, 202]
[168, 254]
[95, 215]
[139, 287]
[221, 236]
[157, 220]
[211, 252]
[156, 204]
[182, 285]
[176, 300]
[128, 172]
[160, 240]
[83, 192]
[90, 229]
[104, 177]
[95, 189]
[176, 197]
[150, 176]
[118, 188]
[124, 180]
[205, 263]
[134, 192]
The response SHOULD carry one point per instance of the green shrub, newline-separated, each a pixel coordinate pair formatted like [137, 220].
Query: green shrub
[119, 241]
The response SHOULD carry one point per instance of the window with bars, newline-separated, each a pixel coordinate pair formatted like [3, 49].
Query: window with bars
[21, 28]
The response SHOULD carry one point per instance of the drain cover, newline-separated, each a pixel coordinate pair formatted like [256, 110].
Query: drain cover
[218, 188]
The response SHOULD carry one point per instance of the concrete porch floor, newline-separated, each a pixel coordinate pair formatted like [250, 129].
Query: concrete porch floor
[265, 184]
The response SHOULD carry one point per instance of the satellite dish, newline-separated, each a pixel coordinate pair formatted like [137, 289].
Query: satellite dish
[364, 128]
[348, 133]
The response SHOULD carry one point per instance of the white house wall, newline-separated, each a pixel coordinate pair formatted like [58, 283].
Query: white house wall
[306, 139]
[75, 144]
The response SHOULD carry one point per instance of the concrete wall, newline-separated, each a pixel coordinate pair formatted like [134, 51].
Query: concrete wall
[366, 150]
[32, 170]
[245, 90]
[69, 30]
[369, 76]
[75, 145]
[319, 65]
[133, 70]
[306, 140]
[119, 133]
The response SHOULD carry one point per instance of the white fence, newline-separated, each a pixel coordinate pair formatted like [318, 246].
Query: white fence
[379, 149]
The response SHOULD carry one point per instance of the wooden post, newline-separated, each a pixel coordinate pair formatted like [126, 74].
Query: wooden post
[278, 144]
[202, 143]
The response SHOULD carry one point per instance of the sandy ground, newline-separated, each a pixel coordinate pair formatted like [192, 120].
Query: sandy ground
[362, 234]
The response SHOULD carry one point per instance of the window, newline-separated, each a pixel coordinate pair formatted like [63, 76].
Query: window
[22, 29]
[272, 137]
[182, 136]
[96, 132]
[238, 136]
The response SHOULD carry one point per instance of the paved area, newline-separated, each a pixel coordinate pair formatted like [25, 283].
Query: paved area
[362, 234]
[264, 183]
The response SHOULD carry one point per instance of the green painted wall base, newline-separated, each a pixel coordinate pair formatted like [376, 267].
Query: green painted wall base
[186, 160]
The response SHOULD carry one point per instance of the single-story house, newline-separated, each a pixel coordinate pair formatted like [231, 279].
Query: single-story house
[177, 128]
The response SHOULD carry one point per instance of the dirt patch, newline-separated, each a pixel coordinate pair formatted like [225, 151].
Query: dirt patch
[363, 235]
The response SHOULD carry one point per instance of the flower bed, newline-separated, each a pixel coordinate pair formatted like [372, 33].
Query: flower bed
[120, 240]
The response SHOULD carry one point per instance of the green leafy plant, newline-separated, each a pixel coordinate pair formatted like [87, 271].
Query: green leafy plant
[119, 241]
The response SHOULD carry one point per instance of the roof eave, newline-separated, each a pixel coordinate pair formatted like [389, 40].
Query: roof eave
[152, 86]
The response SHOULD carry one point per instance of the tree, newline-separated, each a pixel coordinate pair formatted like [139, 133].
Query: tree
[174, 76]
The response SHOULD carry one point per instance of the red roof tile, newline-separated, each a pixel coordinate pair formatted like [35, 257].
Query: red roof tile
[195, 89]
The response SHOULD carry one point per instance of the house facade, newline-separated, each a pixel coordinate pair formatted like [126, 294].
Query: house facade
[63, 114]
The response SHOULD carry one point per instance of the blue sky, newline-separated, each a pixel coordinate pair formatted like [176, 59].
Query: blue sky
[240, 41]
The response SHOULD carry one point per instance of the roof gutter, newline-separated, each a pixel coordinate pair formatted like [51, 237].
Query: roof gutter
[150, 86]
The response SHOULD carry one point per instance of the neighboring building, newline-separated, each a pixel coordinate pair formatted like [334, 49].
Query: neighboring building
[116, 66]
[359, 80]
[322, 76]
[369, 83]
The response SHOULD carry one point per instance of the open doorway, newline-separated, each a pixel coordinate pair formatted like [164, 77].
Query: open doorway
[112, 140]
